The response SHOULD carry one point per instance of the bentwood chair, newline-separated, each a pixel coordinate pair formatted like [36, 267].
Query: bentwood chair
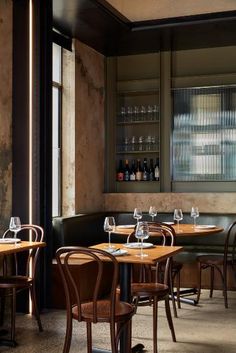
[98, 309]
[174, 272]
[22, 275]
[175, 266]
[220, 263]
[150, 286]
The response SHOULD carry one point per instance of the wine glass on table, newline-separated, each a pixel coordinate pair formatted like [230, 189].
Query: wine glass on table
[178, 216]
[15, 225]
[142, 233]
[137, 214]
[152, 212]
[195, 215]
[109, 227]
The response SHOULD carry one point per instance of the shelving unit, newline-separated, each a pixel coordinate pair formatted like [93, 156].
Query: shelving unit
[134, 123]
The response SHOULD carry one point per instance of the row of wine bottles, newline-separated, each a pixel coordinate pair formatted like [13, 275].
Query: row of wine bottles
[138, 171]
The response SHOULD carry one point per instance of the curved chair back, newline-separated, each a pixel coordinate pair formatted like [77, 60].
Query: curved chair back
[165, 231]
[165, 235]
[230, 246]
[33, 233]
[66, 257]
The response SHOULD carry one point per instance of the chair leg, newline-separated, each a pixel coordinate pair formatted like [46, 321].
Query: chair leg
[199, 281]
[35, 307]
[129, 324]
[155, 314]
[68, 335]
[212, 281]
[224, 278]
[13, 314]
[89, 337]
[169, 318]
[178, 289]
[2, 308]
[172, 294]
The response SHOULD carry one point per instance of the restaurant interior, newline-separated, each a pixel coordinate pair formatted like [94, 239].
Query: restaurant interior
[118, 133]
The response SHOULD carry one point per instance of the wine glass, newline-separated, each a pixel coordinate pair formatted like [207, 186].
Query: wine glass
[178, 216]
[109, 227]
[15, 225]
[194, 214]
[142, 233]
[137, 214]
[152, 212]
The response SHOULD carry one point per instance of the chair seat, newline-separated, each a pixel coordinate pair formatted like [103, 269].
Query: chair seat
[15, 281]
[123, 311]
[149, 289]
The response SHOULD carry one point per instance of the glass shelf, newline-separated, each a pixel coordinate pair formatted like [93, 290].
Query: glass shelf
[137, 122]
[137, 152]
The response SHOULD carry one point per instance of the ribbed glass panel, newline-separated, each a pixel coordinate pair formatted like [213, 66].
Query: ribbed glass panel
[204, 134]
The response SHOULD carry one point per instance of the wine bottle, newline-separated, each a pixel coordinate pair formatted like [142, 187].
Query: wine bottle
[139, 172]
[151, 171]
[132, 171]
[126, 171]
[145, 176]
[120, 172]
[157, 171]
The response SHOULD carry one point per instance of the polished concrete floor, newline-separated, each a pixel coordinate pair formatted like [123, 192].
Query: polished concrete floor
[206, 328]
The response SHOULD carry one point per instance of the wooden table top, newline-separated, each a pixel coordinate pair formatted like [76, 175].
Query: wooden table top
[155, 253]
[183, 230]
[6, 249]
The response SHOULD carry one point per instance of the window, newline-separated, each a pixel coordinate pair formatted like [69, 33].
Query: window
[56, 130]
[204, 134]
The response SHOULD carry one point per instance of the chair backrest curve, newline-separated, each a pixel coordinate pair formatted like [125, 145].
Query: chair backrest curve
[65, 258]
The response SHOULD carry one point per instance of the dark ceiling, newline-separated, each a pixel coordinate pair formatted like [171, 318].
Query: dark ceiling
[100, 26]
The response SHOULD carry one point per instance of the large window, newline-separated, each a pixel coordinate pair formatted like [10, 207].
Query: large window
[56, 131]
[204, 134]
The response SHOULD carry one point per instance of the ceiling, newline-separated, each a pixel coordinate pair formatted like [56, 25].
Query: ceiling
[135, 10]
[118, 27]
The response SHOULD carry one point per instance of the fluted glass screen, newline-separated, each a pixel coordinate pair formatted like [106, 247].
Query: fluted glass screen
[204, 134]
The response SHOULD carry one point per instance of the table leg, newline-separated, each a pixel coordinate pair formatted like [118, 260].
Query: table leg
[125, 295]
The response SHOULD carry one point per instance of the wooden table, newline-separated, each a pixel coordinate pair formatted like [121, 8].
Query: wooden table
[7, 249]
[183, 230]
[155, 254]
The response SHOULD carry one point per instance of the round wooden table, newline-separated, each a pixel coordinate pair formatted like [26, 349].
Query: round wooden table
[181, 231]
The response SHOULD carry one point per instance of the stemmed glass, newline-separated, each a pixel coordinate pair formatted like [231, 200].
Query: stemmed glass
[137, 214]
[178, 216]
[109, 227]
[195, 215]
[142, 233]
[152, 212]
[15, 225]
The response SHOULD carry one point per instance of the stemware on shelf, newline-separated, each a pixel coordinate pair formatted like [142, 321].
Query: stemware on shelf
[195, 215]
[152, 212]
[137, 214]
[178, 216]
[142, 233]
[15, 225]
[109, 227]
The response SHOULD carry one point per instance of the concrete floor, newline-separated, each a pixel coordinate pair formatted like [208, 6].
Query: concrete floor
[206, 328]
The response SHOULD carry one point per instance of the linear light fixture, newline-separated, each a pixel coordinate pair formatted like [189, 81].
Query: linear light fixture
[30, 126]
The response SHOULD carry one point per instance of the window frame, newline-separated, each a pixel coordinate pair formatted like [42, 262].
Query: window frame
[59, 87]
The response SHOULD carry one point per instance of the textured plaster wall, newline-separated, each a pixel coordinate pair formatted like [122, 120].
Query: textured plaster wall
[166, 202]
[5, 112]
[89, 129]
